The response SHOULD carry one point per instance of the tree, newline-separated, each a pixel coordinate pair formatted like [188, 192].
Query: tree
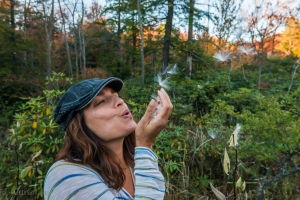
[189, 60]
[81, 38]
[225, 19]
[48, 16]
[118, 9]
[142, 40]
[289, 39]
[7, 47]
[13, 27]
[64, 18]
[72, 9]
[263, 23]
[18, 45]
[268, 127]
[186, 14]
[270, 135]
[167, 37]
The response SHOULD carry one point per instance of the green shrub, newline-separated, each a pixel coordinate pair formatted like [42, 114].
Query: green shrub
[33, 140]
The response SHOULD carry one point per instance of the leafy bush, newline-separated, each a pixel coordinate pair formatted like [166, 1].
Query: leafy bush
[32, 142]
[207, 107]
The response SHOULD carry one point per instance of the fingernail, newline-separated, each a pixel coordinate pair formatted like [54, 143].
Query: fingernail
[152, 102]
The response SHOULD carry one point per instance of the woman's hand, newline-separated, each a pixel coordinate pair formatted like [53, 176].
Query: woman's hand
[149, 127]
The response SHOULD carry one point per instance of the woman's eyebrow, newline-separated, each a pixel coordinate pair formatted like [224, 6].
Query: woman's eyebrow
[102, 93]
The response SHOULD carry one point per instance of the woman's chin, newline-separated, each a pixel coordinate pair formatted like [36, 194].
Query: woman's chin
[131, 127]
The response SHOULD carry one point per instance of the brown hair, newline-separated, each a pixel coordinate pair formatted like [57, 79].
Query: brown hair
[81, 143]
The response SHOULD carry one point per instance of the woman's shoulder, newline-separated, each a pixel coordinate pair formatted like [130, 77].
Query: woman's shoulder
[66, 179]
[63, 168]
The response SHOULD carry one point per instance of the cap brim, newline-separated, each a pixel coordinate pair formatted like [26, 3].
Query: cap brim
[112, 82]
[117, 85]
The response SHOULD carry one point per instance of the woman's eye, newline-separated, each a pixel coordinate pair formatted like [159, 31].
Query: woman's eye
[101, 102]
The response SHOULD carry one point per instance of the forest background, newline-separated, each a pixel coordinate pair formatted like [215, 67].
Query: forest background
[231, 72]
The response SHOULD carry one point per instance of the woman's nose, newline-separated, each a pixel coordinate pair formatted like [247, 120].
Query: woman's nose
[119, 101]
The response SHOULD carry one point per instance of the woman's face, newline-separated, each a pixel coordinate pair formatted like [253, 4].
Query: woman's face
[108, 116]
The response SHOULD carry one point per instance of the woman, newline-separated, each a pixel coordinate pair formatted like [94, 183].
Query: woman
[105, 154]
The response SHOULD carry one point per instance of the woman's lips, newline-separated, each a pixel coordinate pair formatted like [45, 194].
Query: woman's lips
[127, 114]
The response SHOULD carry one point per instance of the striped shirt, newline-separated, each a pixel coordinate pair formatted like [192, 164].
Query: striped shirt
[66, 180]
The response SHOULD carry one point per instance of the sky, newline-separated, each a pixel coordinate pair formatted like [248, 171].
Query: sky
[246, 7]
[101, 2]
[245, 4]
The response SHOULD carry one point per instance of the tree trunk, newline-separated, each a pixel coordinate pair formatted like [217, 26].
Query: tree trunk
[167, 37]
[119, 40]
[26, 56]
[134, 42]
[66, 41]
[49, 31]
[262, 58]
[79, 47]
[152, 55]
[82, 50]
[278, 177]
[82, 42]
[76, 51]
[83, 55]
[13, 34]
[12, 21]
[142, 41]
[75, 40]
[190, 40]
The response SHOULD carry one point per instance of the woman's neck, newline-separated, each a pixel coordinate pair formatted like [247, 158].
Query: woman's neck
[117, 147]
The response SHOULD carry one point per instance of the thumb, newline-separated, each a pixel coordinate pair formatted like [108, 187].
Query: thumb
[149, 112]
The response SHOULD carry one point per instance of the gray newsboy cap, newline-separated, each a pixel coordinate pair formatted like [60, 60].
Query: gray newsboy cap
[80, 95]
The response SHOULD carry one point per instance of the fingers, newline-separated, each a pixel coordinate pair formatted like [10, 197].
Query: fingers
[149, 127]
[167, 96]
[149, 112]
[166, 104]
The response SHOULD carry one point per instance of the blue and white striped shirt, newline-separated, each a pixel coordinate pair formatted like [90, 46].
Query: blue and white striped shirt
[66, 180]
